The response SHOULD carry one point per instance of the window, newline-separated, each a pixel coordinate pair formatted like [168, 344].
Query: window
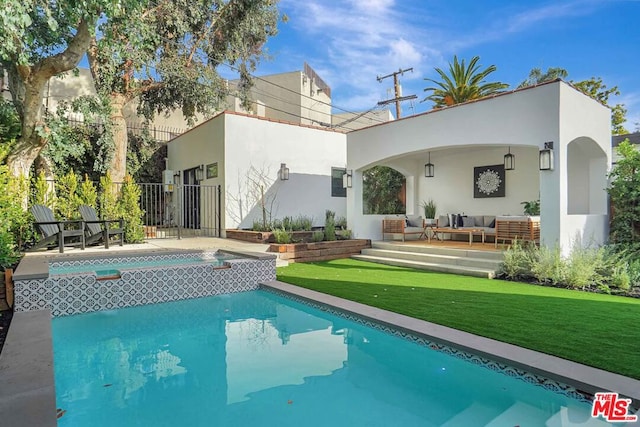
[337, 190]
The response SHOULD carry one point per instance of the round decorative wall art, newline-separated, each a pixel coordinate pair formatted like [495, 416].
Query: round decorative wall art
[488, 181]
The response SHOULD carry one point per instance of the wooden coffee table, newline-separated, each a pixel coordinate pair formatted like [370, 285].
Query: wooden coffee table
[470, 231]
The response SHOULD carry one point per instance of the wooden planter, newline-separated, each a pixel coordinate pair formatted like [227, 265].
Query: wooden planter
[320, 251]
[6, 290]
[250, 236]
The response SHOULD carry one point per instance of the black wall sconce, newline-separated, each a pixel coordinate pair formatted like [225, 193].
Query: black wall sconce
[283, 173]
[509, 161]
[200, 173]
[546, 157]
[429, 168]
[347, 179]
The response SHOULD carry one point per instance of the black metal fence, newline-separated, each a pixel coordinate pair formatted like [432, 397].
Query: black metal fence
[181, 210]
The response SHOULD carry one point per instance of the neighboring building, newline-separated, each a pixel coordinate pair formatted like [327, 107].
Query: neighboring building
[243, 154]
[355, 121]
[634, 138]
[460, 138]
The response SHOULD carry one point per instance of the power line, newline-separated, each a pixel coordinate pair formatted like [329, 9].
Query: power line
[396, 84]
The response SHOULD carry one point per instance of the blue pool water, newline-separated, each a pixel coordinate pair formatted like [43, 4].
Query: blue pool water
[258, 359]
[129, 264]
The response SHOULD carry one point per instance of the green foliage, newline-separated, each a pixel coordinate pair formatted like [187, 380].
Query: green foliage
[14, 222]
[344, 234]
[301, 223]
[464, 83]
[341, 223]
[130, 211]
[584, 268]
[624, 192]
[517, 261]
[547, 265]
[282, 235]
[536, 76]
[429, 209]
[41, 193]
[330, 226]
[145, 157]
[531, 207]
[317, 236]
[382, 191]
[9, 122]
[87, 193]
[67, 201]
[108, 198]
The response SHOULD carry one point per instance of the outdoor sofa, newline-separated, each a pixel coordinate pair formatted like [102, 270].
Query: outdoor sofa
[403, 225]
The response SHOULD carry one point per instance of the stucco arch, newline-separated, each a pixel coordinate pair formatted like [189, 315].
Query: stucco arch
[586, 177]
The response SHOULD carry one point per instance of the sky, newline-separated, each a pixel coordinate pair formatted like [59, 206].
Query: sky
[351, 42]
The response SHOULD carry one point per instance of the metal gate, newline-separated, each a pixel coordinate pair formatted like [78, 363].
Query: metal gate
[181, 210]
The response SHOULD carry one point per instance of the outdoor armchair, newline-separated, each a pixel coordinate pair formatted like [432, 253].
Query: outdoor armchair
[53, 231]
[100, 229]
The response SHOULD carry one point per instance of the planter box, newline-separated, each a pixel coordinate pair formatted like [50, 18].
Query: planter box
[320, 251]
[250, 236]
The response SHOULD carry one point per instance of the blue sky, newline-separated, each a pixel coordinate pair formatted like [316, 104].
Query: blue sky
[350, 42]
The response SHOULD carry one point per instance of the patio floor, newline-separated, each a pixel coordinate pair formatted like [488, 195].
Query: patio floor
[452, 244]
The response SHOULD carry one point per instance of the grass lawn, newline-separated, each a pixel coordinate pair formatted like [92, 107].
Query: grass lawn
[593, 329]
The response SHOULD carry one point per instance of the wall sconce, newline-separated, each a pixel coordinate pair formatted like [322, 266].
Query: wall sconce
[509, 161]
[429, 168]
[283, 173]
[546, 157]
[200, 173]
[347, 179]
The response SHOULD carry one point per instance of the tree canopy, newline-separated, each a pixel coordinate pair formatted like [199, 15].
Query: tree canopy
[463, 83]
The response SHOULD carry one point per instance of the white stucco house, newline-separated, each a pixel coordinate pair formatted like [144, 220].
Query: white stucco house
[460, 138]
[457, 140]
[244, 154]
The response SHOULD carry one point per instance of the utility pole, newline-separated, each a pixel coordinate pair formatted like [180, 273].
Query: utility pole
[396, 85]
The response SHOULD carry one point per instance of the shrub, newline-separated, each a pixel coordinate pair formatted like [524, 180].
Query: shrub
[330, 226]
[317, 236]
[547, 265]
[282, 236]
[345, 234]
[41, 193]
[517, 261]
[14, 222]
[302, 223]
[87, 193]
[287, 223]
[341, 223]
[585, 267]
[130, 211]
[108, 198]
[67, 200]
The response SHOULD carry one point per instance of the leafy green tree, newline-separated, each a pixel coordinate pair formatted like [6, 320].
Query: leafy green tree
[536, 76]
[172, 64]
[464, 83]
[624, 191]
[593, 87]
[68, 200]
[42, 39]
[382, 191]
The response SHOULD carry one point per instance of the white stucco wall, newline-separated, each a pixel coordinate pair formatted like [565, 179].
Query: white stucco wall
[263, 145]
[459, 138]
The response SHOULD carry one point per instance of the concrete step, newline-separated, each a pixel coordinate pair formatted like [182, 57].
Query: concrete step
[442, 268]
[458, 259]
[422, 248]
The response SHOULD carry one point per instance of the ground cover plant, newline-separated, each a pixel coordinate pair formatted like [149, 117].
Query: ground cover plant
[593, 329]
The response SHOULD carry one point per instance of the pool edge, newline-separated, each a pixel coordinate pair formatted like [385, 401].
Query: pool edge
[582, 377]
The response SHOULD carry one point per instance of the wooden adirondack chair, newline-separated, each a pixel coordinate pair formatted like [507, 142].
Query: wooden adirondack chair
[99, 229]
[53, 230]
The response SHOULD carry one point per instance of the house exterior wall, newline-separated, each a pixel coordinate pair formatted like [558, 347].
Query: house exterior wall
[584, 133]
[355, 121]
[255, 148]
[459, 138]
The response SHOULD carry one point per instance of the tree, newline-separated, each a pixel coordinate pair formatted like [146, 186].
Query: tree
[536, 76]
[597, 90]
[625, 197]
[42, 39]
[464, 83]
[383, 191]
[166, 58]
[593, 87]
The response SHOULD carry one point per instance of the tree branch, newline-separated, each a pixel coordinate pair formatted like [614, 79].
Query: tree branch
[69, 58]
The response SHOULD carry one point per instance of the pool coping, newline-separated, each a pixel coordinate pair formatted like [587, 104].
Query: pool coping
[35, 266]
[584, 378]
[27, 385]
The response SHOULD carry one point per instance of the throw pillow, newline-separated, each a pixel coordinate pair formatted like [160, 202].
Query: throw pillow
[493, 224]
[468, 221]
[443, 221]
[460, 223]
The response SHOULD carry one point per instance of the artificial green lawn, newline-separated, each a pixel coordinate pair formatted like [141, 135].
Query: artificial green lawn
[594, 329]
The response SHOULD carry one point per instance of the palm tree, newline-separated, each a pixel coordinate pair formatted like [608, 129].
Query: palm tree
[462, 84]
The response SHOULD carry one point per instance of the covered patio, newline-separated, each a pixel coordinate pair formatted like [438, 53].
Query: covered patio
[463, 141]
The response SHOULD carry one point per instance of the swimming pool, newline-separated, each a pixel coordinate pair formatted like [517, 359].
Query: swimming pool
[259, 359]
